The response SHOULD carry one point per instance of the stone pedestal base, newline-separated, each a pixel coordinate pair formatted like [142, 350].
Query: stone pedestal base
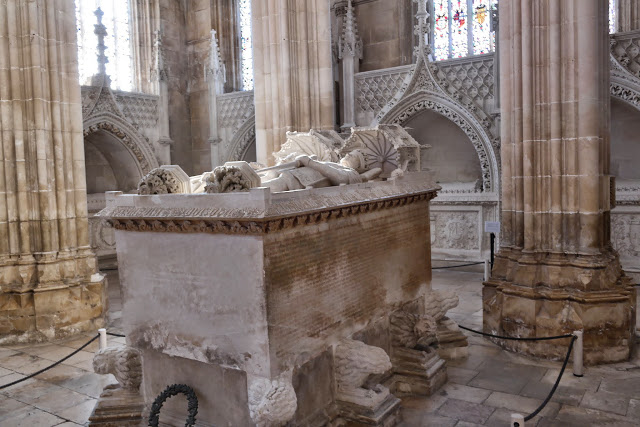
[117, 407]
[531, 298]
[416, 372]
[52, 313]
[452, 343]
[385, 414]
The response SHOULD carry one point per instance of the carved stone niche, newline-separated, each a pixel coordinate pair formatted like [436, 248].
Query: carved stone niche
[320, 143]
[167, 179]
[388, 147]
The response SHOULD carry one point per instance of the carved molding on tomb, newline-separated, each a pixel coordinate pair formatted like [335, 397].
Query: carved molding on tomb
[166, 179]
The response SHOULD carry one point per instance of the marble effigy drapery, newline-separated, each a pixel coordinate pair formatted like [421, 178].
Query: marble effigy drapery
[556, 270]
[47, 268]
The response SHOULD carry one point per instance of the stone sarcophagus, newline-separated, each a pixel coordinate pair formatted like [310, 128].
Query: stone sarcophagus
[275, 307]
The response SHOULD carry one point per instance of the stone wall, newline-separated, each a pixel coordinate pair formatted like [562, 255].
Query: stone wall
[345, 274]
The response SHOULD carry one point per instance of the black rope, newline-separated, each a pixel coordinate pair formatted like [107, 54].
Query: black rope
[50, 366]
[555, 386]
[172, 390]
[515, 338]
[456, 266]
[116, 335]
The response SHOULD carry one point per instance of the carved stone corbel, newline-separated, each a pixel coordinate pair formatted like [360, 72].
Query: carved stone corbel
[272, 403]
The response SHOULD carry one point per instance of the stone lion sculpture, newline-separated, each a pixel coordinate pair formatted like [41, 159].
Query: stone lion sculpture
[123, 362]
[272, 403]
[355, 362]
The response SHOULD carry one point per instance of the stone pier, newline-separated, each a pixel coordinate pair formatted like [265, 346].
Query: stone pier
[47, 284]
[556, 271]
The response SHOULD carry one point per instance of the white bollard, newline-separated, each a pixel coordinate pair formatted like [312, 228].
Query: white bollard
[487, 269]
[103, 338]
[578, 350]
[517, 420]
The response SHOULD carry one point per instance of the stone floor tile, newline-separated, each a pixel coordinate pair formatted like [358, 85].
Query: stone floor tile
[3, 372]
[33, 418]
[86, 366]
[17, 360]
[60, 400]
[79, 413]
[634, 409]
[467, 424]
[423, 404]
[502, 418]
[34, 366]
[571, 416]
[587, 382]
[563, 394]
[31, 390]
[9, 379]
[626, 386]
[465, 411]
[506, 377]
[60, 373]
[78, 342]
[88, 383]
[460, 375]
[69, 424]
[605, 401]
[463, 392]
[50, 352]
[10, 408]
[6, 352]
[520, 404]
[79, 358]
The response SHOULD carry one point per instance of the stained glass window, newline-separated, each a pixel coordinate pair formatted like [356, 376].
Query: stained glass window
[612, 16]
[118, 41]
[462, 28]
[244, 11]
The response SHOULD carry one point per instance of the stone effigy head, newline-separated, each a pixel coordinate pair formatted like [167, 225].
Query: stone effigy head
[354, 160]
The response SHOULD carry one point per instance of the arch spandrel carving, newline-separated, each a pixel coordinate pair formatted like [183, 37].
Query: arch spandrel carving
[242, 140]
[136, 144]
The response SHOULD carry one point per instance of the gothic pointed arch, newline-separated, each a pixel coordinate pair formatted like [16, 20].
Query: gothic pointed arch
[101, 112]
[242, 140]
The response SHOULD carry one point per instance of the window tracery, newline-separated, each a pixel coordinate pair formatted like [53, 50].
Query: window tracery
[246, 43]
[116, 19]
[612, 16]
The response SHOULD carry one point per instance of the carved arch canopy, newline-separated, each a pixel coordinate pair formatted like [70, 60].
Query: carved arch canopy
[242, 140]
[488, 154]
[125, 133]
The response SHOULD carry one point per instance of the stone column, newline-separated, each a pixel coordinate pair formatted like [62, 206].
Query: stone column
[47, 282]
[160, 76]
[292, 70]
[628, 15]
[349, 53]
[556, 270]
[145, 21]
[216, 77]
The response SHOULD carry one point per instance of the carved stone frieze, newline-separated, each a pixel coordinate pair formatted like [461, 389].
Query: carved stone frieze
[625, 234]
[455, 230]
[172, 223]
[375, 89]
[234, 109]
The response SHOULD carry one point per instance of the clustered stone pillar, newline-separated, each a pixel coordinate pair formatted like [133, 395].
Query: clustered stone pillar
[628, 15]
[46, 264]
[293, 77]
[556, 270]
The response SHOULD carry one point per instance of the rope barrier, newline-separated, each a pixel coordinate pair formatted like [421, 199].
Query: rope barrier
[456, 266]
[516, 338]
[116, 335]
[555, 386]
[50, 366]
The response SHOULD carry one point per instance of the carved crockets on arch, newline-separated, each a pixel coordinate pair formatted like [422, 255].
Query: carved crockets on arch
[242, 140]
[136, 144]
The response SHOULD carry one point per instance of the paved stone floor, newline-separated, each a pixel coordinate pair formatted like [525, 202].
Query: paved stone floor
[482, 390]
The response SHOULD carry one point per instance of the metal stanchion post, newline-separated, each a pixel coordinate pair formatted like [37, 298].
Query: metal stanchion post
[578, 354]
[487, 269]
[103, 338]
[517, 420]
